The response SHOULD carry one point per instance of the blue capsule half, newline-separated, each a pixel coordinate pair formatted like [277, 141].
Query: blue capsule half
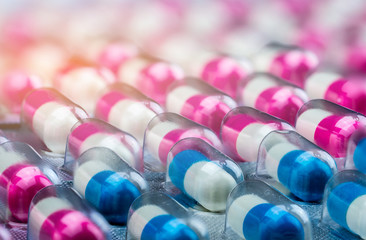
[269, 222]
[304, 175]
[167, 227]
[112, 195]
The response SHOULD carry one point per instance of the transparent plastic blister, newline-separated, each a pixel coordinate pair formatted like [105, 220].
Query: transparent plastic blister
[244, 128]
[289, 62]
[167, 129]
[329, 126]
[272, 95]
[3, 137]
[59, 212]
[257, 211]
[22, 174]
[83, 85]
[91, 132]
[198, 172]
[157, 216]
[108, 183]
[198, 101]
[286, 158]
[356, 151]
[51, 116]
[137, 110]
[344, 203]
[347, 91]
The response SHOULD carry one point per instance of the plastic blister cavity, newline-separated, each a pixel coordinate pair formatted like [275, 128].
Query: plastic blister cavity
[299, 165]
[167, 129]
[333, 87]
[244, 128]
[272, 95]
[198, 101]
[329, 126]
[59, 212]
[83, 85]
[256, 211]
[108, 183]
[157, 216]
[127, 109]
[291, 63]
[22, 174]
[51, 116]
[90, 133]
[202, 173]
[344, 202]
[151, 76]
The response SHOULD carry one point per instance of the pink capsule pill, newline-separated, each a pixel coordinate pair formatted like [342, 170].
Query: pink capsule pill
[329, 126]
[290, 63]
[55, 218]
[113, 55]
[90, 133]
[244, 128]
[127, 109]
[84, 85]
[19, 182]
[51, 116]
[223, 72]
[270, 94]
[350, 93]
[200, 103]
[15, 86]
[151, 77]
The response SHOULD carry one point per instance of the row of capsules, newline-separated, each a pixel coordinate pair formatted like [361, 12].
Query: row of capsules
[103, 160]
[228, 108]
[260, 95]
[326, 171]
[94, 172]
[32, 196]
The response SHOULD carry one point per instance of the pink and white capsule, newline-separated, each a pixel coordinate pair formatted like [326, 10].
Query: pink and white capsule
[201, 103]
[222, 72]
[328, 125]
[270, 94]
[51, 116]
[290, 63]
[84, 85]
[19, 182]
[151, 77]
[129, 114]
[243, 130]
[113, 55]
[92, 133]
[350, 93]
[54, 217]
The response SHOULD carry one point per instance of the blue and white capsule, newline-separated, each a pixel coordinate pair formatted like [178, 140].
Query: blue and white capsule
[298, 170]
[153, 222]
[201, 179]
[110, 192]
[253, 218]
[346, 205]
